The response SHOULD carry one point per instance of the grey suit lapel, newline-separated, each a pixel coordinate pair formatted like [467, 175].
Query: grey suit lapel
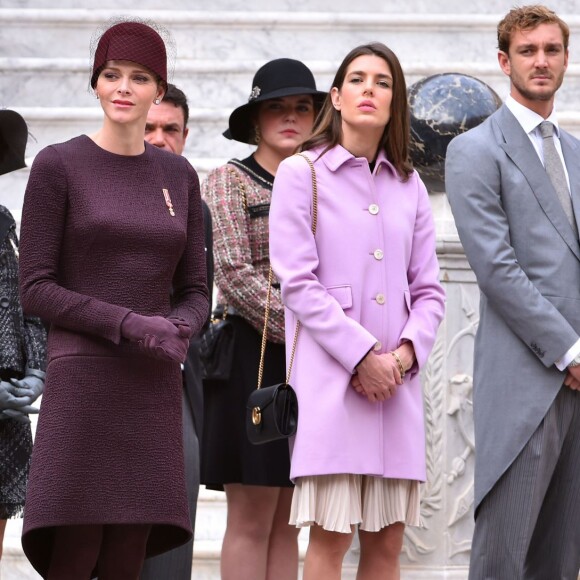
[518, 147]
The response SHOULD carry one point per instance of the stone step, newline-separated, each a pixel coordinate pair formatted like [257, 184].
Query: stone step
[249, 35]
[54, 82]
[374, 6]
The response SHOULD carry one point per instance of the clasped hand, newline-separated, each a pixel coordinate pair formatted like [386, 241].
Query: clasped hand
[163, 338]
[17, 396]
[377, 377]
[572, 379]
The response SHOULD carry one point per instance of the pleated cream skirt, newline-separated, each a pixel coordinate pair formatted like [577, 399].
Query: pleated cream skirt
[337, 502]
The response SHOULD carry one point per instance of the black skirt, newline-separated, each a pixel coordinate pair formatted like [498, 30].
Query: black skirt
[227, 455]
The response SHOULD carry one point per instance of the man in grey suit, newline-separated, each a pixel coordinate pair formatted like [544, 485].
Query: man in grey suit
[514, 188]
[167, 129]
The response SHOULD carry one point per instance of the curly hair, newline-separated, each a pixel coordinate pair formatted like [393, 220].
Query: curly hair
[528, 18]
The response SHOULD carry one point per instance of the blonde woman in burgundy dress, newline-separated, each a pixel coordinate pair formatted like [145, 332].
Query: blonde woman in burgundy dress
[112, 256]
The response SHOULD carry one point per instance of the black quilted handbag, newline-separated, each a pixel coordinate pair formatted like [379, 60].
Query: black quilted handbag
[216, 347]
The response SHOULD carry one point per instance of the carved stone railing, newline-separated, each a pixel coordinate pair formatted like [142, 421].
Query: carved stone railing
[441, 549]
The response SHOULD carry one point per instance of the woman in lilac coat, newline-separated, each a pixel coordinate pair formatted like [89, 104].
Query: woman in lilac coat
[365, 289]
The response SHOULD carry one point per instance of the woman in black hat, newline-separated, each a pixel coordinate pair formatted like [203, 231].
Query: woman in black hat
[22, 343]
[279, 115]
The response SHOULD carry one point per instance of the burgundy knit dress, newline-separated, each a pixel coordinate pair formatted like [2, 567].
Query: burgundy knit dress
[98, 241]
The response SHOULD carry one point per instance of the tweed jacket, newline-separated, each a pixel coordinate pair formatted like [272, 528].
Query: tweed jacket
[239, 208]
[22, 338]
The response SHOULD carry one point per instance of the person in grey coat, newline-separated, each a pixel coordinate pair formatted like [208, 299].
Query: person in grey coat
[514, 187]
[22, 343]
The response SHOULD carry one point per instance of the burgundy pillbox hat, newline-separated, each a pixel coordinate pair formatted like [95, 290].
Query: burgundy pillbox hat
[131, 41]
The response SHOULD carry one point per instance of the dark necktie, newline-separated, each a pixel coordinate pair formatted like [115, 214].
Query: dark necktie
[555, 171]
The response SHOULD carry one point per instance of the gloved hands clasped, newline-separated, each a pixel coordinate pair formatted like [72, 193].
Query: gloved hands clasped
[164, 338]
[17, 395]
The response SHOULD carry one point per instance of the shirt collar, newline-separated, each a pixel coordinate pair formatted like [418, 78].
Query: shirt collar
[528, 119]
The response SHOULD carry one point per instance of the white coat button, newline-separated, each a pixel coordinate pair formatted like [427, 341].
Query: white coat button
[380, 298]
[378, 345]
[373, 209]
[378, 254]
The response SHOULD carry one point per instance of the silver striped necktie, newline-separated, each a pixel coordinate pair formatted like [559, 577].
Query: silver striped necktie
[555, 171]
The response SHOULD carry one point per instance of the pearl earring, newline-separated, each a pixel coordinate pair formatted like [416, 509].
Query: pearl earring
[157, 101]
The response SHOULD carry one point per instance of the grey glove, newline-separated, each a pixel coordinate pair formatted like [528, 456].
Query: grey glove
[31, 385]
[20, 415]
[10, 398]
[15, 402]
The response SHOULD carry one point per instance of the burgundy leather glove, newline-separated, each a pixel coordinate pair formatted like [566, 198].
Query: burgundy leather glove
[157, 336]
[181, 324]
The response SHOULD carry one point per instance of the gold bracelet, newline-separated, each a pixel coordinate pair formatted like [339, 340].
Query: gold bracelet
[399, 363]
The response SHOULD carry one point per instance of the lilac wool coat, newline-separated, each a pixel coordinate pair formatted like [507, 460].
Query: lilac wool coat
[368, 279]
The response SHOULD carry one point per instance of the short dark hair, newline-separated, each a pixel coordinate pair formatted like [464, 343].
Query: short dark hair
[177, 98]
[394, 142]
[528, 18]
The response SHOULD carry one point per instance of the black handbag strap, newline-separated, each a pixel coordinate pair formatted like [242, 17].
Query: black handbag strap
[270, 278]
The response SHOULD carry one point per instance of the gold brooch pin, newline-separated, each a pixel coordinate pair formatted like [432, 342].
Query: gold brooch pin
[168, 202]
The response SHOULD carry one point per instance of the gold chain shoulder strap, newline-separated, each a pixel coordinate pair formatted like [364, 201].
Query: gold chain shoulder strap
[241, 187]
[270, 277]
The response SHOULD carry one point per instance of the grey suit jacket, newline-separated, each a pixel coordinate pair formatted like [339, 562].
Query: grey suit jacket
[527, 263]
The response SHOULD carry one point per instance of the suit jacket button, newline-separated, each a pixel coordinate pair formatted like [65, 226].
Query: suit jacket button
[4, 302]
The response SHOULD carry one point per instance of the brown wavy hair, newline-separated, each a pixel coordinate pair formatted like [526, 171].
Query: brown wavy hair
[394, 142]
[528, 18]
